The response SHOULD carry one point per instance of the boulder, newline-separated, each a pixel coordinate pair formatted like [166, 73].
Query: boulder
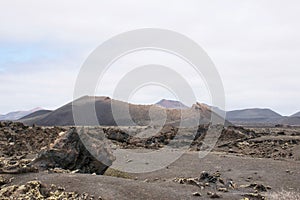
[77, 150]
[117, 135]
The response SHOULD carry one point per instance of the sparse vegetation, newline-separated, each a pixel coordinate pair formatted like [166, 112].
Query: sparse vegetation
[117, 173]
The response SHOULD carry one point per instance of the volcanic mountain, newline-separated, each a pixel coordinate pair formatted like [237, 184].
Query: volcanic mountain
[18, 114]
[253, 116]
[36, 114]
[139, 114]
[261, 117]
[254, 113]
[296, 114]
[171, 104]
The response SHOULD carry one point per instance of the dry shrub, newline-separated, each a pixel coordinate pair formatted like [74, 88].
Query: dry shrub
[117, 173]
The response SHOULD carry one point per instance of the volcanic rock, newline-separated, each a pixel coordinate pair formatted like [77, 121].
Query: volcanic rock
[16, 139]
[76, 150]
[215, 196]
[37, 190]
[196, 194]
[116, 134]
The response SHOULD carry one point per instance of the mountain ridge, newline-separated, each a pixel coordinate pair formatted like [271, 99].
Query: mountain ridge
[140, 114]
[296, 114]
[248, 116]
[16, 115]
[171, 104]
[249, 113]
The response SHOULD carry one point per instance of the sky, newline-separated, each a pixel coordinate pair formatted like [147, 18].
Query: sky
[254, 44]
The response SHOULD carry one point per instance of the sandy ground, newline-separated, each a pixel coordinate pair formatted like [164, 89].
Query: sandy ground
[278, 174]
[268, 157]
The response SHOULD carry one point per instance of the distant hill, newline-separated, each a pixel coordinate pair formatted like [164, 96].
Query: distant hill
[261, 117]
[294, 121]
[296, 114]
[254, 116]
[171, 104]
[140, 114]
[17, 114]
[36, 114]
[254, 113]
[217, 110]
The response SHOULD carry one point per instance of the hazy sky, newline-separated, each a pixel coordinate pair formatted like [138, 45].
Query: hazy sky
[255, 45]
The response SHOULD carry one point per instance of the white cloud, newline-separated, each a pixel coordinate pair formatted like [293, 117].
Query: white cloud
[254, 44]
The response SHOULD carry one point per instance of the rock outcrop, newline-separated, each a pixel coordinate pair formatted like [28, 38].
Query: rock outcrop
[76, 150]
[16, 139]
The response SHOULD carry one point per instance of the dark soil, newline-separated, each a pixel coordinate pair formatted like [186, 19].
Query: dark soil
[251, 163]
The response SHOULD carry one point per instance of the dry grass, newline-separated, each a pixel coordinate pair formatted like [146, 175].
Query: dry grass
[284, 195]
[117, 173]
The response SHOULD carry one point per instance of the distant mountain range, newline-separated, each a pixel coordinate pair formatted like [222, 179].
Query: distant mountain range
[296, 114]
[36, 114]
[252, 114]
[140, 114]
[18, 114]
[258, 116]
